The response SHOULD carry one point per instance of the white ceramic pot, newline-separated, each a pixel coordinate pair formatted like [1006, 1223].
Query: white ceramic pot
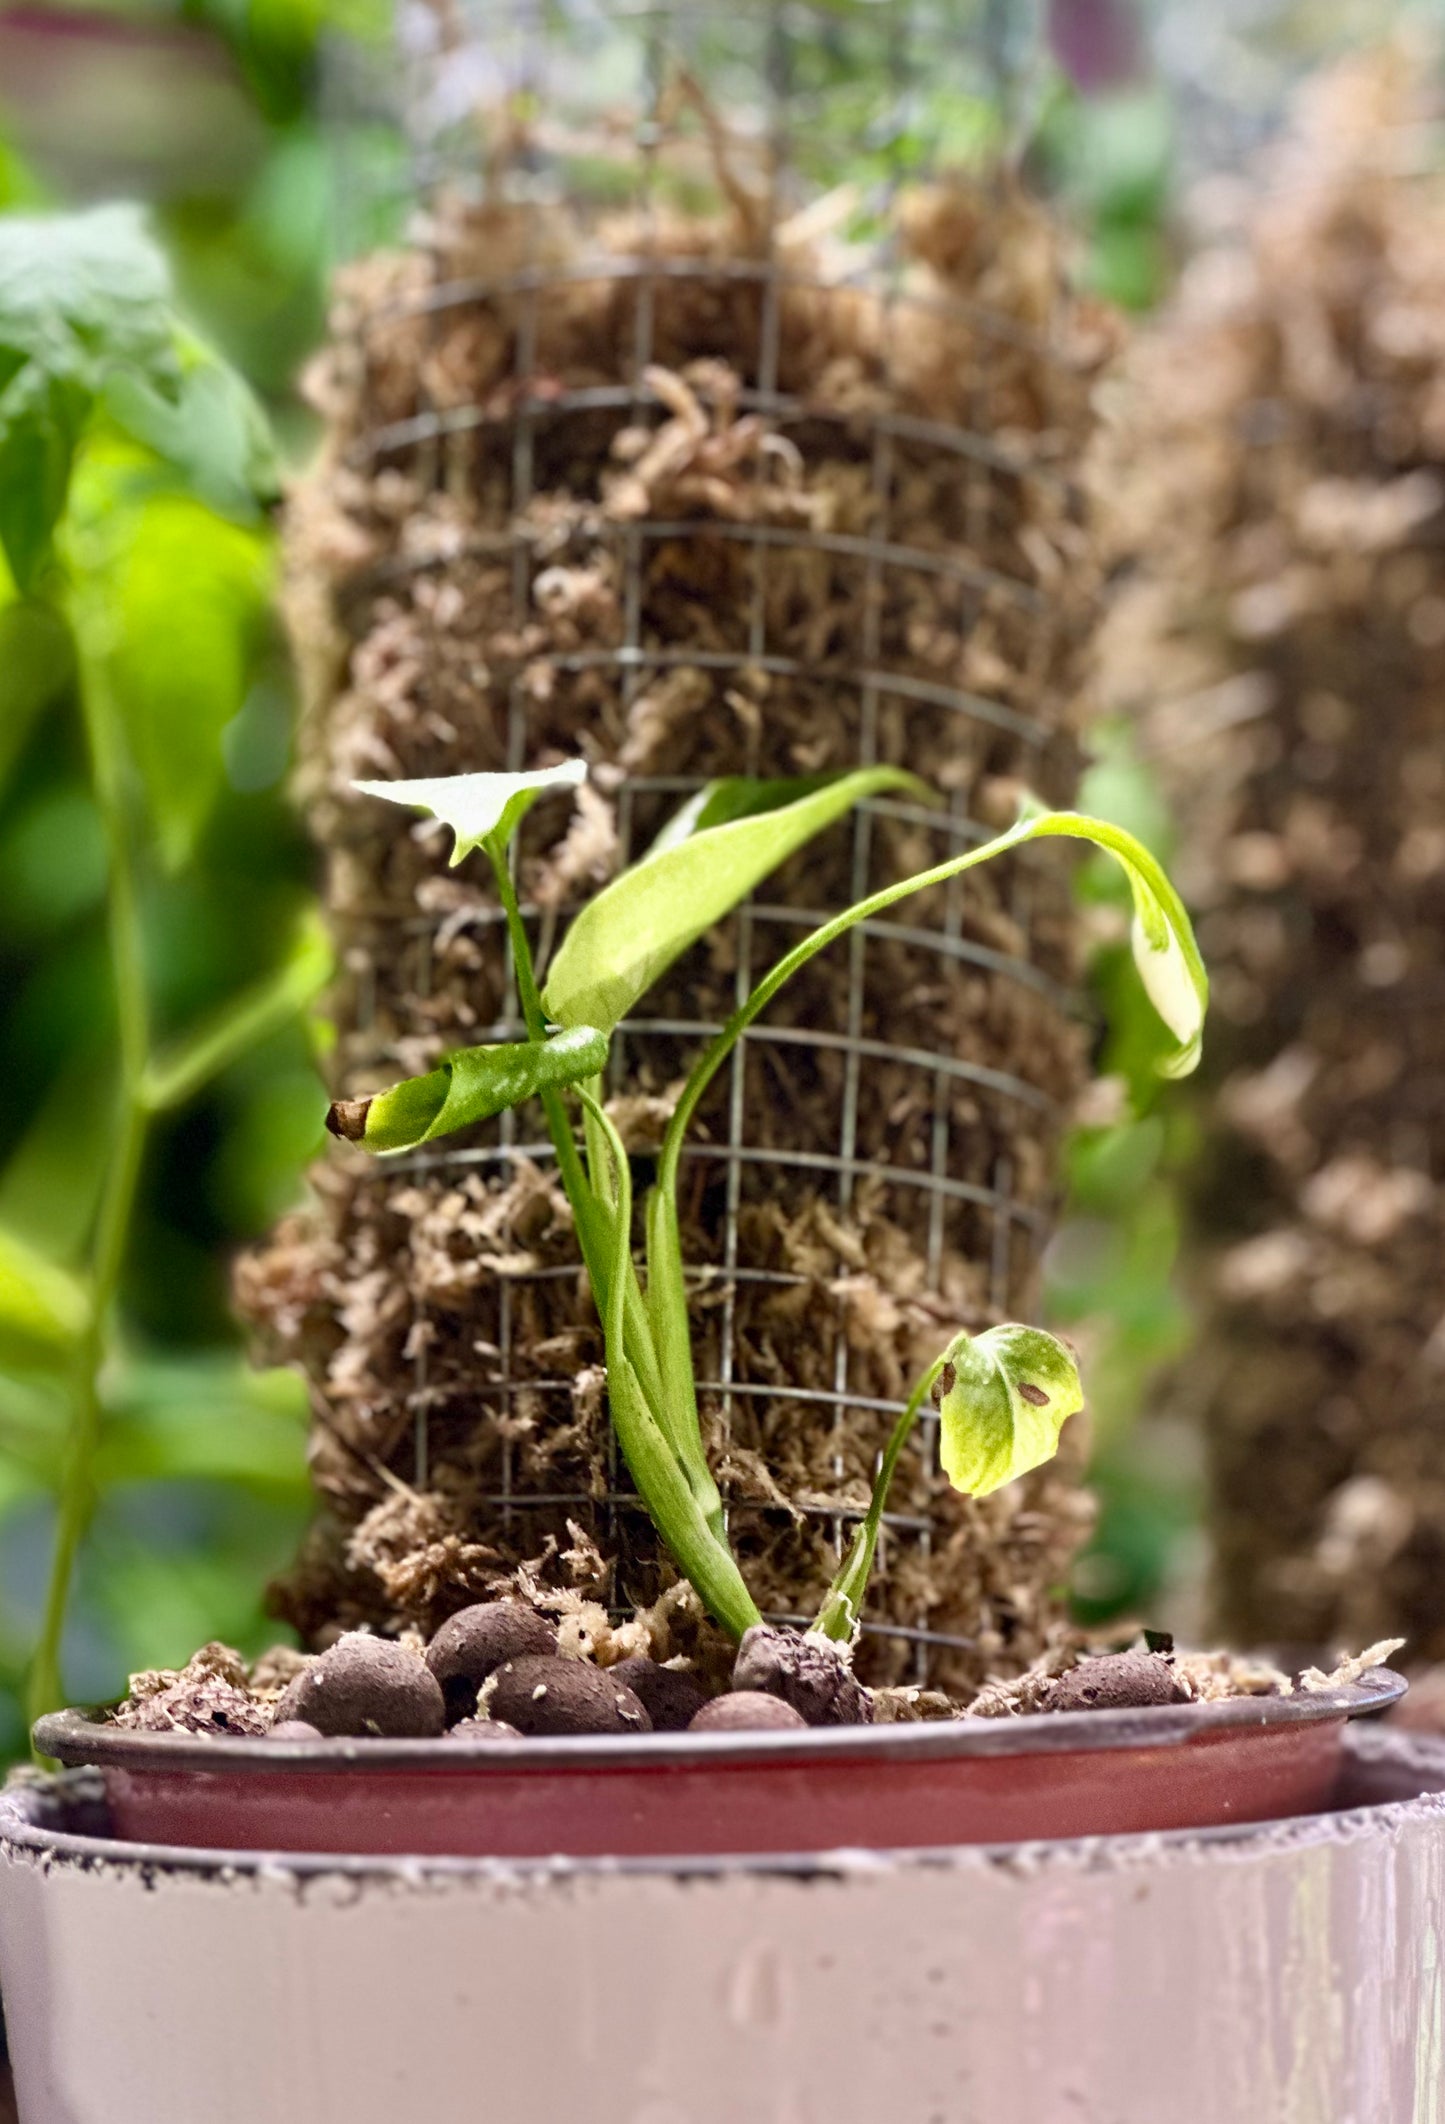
[1287, 1974]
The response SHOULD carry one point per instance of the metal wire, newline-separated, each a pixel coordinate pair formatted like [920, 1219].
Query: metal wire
[517, 53]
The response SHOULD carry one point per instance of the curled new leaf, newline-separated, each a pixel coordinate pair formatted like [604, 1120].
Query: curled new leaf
[470, 1085]
[1164, 948]
[704, 863]
[479, 807]
[1004, 1397]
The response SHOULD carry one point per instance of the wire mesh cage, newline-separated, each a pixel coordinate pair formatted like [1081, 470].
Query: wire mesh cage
[722, 415]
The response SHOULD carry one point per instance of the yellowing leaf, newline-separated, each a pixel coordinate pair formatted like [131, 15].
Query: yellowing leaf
[1004, 1397]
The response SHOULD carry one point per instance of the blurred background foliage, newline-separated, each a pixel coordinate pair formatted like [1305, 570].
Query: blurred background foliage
[219, 116]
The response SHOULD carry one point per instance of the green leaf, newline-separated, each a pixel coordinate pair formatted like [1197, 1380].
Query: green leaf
[82, 297]
[630, 934]
[1165, 951]
[37, 663]
[43, 1308]
[205, 1417]
[479, 807]
[1005, 1396]
[188, 596]
[213, 430]
[471, 1085]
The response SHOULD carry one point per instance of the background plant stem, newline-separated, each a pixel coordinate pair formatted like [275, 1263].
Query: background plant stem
[113, 1219]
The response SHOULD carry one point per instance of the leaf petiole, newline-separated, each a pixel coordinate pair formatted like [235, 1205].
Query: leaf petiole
[842, 1608]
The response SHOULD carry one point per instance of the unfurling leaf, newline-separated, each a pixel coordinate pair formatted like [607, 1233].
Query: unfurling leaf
[1164, 948]
[185, 599]
[470, 1085]
[707, 860]
[1004, 1396]
[479, 807]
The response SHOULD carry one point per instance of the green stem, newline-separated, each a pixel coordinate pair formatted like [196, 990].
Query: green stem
[112, 1227]
[843, 1603]
[672, 1336]
[593, 1211]
[661, 1482]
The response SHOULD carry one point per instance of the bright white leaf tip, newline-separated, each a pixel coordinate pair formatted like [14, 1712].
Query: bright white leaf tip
[479, 807]
[1004, 1397]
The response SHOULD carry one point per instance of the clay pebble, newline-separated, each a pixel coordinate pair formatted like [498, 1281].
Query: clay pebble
[670, 1698]
[475, 1641]
[812, 1674]
[746, 1711]
[366, 1687]
[294, 1729]
[481, 1729]
[1116, 1681]
[547, 1695]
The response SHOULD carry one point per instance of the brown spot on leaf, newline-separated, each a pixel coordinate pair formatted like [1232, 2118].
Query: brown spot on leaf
[1034, 1394]
[947, 1379]
[347, 1118]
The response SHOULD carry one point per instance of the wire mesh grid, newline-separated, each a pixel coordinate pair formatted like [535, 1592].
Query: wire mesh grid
[580, 107]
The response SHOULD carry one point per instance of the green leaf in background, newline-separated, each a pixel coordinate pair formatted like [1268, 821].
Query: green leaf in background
[82, 297]
[212, 430]
[479, 807]
[630, 934]
[42, 1307]
[37, 664]
[1004, 1398]
[186, 596]
[470, 1085]
[175, 1419]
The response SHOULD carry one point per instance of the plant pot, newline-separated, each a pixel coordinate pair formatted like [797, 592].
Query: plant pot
[1231, 1977]
[983, 1781]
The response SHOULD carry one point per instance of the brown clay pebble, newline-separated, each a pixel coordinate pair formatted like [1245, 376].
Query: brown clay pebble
[1116, 1681]
[746, 1711]
[482, 1729]
[366, 1687]
[810, 1673]
[550, 1695]
[473, 1643]
[671, 1699]
[294, 1729]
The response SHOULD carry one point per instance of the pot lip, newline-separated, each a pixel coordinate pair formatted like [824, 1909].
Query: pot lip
[19, 1834]
[77, 1737]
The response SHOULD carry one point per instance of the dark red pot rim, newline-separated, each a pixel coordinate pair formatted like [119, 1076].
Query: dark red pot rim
[86, 1737]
